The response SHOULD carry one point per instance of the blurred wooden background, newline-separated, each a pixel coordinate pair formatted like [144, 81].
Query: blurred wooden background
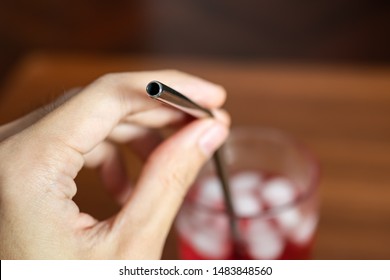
[323, 30]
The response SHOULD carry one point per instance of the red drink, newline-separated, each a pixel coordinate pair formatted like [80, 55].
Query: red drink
[276, 220]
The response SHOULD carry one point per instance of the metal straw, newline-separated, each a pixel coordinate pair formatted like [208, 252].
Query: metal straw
[167, 95]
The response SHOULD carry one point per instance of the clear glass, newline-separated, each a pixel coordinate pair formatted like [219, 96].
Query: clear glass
[273, 181]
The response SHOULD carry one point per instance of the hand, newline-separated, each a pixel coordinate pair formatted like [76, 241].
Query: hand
[42, 153]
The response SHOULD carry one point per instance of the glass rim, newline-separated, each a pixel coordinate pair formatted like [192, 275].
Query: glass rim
[312, 186]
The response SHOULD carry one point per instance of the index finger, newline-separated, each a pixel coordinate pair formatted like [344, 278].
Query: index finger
[88, 118]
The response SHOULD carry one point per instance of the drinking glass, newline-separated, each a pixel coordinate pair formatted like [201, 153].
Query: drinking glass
[273, 183]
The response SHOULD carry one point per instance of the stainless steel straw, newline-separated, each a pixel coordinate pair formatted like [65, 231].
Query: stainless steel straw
[167, 95]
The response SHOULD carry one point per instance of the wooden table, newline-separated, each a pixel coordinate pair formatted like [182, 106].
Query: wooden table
[342, 113]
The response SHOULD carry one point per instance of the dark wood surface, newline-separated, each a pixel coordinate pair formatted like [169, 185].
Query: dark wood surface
[342, 113]
[322, 30]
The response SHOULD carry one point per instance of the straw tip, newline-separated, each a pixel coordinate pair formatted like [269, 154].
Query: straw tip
[154, 88]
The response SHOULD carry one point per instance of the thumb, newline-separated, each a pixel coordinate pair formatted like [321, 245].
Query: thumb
[166, 177]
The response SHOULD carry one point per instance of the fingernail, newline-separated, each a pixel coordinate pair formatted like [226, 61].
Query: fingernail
[213, 138]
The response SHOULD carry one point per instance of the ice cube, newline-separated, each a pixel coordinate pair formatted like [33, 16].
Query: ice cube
[278, 191]
[244, 186]
[246, 204]
[288, 219]
[245, 181]
[264, 241]
[210, 191]
[212, 241]
[305, 229]
[207, 232]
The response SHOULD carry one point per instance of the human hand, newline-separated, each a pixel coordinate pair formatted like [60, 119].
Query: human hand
[42, 153]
